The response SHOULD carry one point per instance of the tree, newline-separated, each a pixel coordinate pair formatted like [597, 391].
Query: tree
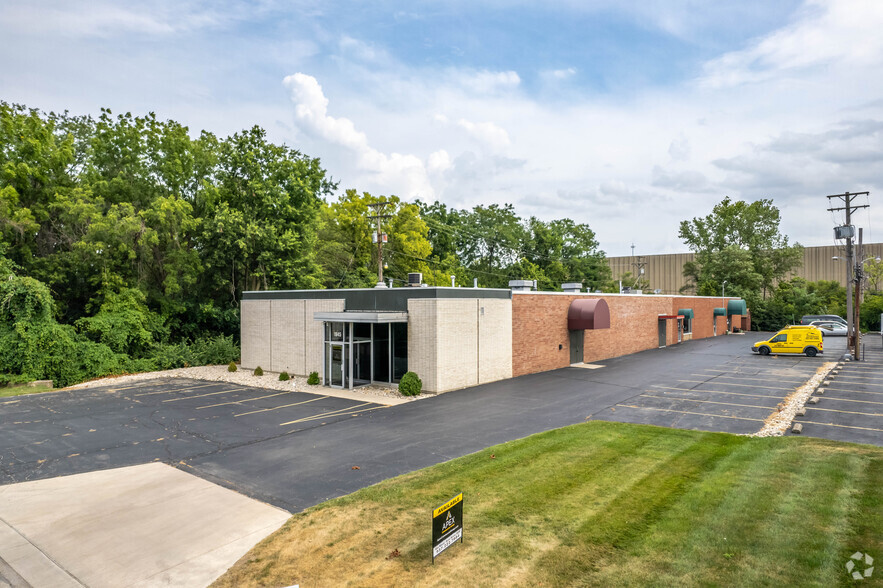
[349, 255]
[740, 243]
[566, 252]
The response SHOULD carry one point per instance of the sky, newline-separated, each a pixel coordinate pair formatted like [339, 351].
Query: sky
[630, 116]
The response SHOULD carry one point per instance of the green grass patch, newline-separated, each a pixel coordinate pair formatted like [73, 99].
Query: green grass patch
[599, 504]
[20, 390]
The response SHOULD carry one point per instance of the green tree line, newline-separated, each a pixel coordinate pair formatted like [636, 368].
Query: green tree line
[741, 244]
[126, 241]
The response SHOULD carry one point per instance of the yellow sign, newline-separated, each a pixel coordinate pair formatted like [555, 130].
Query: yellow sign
[447, 505]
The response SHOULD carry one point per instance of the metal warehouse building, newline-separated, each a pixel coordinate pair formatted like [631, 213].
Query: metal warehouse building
[458, 337]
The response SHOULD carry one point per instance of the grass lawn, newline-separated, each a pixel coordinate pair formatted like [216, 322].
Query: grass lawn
[22, 390]
[599, 504]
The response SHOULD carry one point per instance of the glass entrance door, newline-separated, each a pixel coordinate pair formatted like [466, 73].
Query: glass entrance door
[337, 363]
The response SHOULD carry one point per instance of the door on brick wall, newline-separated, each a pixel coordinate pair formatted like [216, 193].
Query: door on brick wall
[576, 346]
[662, 333]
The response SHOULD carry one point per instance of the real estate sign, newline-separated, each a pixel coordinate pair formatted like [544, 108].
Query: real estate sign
[447, 525]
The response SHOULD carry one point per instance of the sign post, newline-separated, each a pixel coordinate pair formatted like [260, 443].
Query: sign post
[447, 525]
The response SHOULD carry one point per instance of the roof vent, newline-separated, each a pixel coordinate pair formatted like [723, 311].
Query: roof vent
[381, 285]
[522, 285]
[572, 287]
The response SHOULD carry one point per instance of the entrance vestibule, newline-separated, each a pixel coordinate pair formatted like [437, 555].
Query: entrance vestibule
[357, 353]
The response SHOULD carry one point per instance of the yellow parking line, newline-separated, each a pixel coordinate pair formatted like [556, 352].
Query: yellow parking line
[721, 416]
[178, 389]
[204, 395]
[244, 400]
[709, 401]
[283, 406]
[345, 412]
[741, 385]
[842, 426]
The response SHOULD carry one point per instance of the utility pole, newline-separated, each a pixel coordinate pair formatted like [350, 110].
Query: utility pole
[859, 275]
[639, 269]
[379, 236]
[848, 232]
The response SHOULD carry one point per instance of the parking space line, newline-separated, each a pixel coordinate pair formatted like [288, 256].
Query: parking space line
[204, 395]
[841, 426]
[741, 385]
[721, 416]
[716, 392]
[178, 389]
[283, 406]
[847, 411]
[832, 399]
[709, 401]
[346, 412]
[853, 391]
[244, 400]
[757, 377]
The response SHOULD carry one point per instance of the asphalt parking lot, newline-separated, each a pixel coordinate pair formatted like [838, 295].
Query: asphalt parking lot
[850, 407]
[732, 396]
[167, 420]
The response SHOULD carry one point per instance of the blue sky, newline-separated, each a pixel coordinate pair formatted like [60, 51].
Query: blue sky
[628, 116]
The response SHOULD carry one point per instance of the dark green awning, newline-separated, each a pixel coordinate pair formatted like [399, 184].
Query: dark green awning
[720, 312]
[737, 307]
[687, 312]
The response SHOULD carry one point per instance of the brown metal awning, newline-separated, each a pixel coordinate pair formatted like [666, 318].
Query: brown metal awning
[588, 313]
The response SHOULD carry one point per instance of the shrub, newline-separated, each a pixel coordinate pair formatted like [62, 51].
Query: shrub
[258, 371]
[410, 384]
[313, 379]
[231, 367]
[284, 377]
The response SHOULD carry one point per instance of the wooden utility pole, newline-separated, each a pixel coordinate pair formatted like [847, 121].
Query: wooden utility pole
[846, 197]
[379, 208]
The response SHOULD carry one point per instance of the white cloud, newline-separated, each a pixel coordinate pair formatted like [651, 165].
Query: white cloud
[830, 34]
[486, 82]
[486, 133]
[402, 174]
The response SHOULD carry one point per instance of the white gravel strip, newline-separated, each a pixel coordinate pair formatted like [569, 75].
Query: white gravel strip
[218, 373]
[780, 421]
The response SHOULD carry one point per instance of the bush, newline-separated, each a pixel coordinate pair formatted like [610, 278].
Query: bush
[258, 371]
[410, 384]
[284, 377]
[313, 379]
[231, 367]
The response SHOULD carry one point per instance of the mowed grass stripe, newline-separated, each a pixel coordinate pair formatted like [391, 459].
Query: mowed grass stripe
[598, 504]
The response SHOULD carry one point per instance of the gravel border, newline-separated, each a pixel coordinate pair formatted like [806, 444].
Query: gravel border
[245, 377]
[779, 422]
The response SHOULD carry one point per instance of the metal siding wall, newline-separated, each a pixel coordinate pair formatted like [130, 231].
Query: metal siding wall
[666, 272]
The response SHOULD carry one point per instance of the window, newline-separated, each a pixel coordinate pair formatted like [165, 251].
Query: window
[688, 325]
[779, 338]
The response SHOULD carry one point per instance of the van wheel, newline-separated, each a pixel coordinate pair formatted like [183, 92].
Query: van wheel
[764, 350]
[811, 351]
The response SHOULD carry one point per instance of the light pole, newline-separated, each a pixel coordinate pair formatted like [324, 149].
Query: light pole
[724, 303]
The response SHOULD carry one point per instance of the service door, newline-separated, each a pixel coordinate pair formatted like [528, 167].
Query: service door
[576, 346]
[662, 333]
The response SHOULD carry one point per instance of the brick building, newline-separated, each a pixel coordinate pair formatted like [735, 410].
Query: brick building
[458, 337]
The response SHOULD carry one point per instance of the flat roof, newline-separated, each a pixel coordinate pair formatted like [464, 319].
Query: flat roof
[379, 299]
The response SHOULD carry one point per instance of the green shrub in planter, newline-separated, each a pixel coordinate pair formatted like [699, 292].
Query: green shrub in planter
[410, 384]
[313, 379]
[258, 371]
[231, 367]
[284, 377]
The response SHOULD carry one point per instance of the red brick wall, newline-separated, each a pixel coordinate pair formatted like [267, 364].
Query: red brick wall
[539, 327]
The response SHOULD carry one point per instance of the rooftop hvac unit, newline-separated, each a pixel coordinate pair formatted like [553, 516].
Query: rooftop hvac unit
[572, 287]
[415, 280]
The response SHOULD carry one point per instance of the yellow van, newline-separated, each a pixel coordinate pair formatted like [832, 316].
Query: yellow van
[797, 339]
